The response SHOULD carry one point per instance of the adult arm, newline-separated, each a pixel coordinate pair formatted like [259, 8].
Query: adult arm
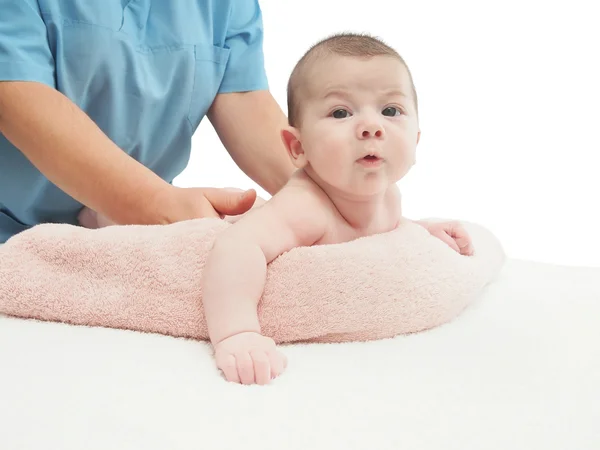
[72, 152]
[249, 125]
[244, 114]
[69, 148]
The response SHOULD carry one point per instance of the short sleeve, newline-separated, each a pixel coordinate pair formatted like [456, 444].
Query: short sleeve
[245, 69]
[24, 51]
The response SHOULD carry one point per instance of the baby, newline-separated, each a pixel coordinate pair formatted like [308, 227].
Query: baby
[354, 128]
[353, 132]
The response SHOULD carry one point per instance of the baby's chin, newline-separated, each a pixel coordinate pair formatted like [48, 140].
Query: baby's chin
[359, 186]
[365, 189]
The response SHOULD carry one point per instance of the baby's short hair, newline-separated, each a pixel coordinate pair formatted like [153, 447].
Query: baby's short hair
[344, 44]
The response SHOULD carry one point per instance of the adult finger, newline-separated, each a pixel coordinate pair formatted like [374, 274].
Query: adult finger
[203, 207]
[229, 202]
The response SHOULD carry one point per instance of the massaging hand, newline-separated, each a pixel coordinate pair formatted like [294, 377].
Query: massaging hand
[257, 203]
[193, 203]
[189, 203]
[249, 358]
[453, 234]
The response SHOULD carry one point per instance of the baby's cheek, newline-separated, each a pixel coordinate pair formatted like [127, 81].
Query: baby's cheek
[401, 166]
[406, 151]
[331, 153]
[337, 162]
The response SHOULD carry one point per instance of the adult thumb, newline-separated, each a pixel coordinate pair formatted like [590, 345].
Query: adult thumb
[230, 202]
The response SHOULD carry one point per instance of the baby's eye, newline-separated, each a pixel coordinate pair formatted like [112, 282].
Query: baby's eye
[391, 111]
[340, 114]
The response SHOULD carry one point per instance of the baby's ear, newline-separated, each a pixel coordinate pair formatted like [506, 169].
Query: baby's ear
[291, 139]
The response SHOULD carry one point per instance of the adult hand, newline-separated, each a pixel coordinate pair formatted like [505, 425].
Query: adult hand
[186, 204]
[195, 203]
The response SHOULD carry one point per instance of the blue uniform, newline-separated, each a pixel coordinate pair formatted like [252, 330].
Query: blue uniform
[146, 71]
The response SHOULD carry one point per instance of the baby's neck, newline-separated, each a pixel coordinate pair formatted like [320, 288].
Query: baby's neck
[378, 213]
[366, 215]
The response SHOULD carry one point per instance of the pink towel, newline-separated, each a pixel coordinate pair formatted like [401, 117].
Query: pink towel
[147, 278]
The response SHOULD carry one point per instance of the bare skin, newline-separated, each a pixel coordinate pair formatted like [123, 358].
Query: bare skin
[301, 214]
[357, 138]
[358, 135]
[63, 143]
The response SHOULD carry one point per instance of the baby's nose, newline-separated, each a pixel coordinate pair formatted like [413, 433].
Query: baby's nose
[370, 130]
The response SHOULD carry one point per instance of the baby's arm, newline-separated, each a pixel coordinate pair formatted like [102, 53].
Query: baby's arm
[234, 278]
[452, 233]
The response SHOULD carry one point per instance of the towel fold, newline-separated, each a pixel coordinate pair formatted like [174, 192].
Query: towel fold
[148, 278]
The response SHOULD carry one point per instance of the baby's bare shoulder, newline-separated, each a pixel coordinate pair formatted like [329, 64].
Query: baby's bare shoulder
[302, 191]
[304, 208]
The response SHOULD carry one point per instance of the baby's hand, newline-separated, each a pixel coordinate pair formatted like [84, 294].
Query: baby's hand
[249, 358]
[453, 234]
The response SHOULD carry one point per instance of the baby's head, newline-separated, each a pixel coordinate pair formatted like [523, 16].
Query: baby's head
[352, 111]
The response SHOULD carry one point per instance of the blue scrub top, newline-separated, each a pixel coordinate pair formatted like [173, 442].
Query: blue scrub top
[146, 71]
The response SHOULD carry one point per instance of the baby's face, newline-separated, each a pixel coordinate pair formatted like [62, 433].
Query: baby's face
[359, 127]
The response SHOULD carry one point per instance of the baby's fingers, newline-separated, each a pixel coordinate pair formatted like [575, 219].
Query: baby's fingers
[463, 240]
[445, 237]
[245, 367]
[461, 236]
[466, 246]
[278, 363]
[228, 366]
[262, 367]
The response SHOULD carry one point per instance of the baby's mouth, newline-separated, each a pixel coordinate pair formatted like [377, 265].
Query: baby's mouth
[370, 161]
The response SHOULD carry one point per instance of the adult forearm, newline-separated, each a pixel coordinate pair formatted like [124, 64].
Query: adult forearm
[72, 152]
[265, 159]
[233, 282]
[249, 124]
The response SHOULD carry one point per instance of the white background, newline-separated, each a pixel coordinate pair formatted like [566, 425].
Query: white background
[509, 102]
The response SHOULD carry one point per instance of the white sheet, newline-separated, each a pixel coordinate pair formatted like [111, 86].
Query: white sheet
[520, 369]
